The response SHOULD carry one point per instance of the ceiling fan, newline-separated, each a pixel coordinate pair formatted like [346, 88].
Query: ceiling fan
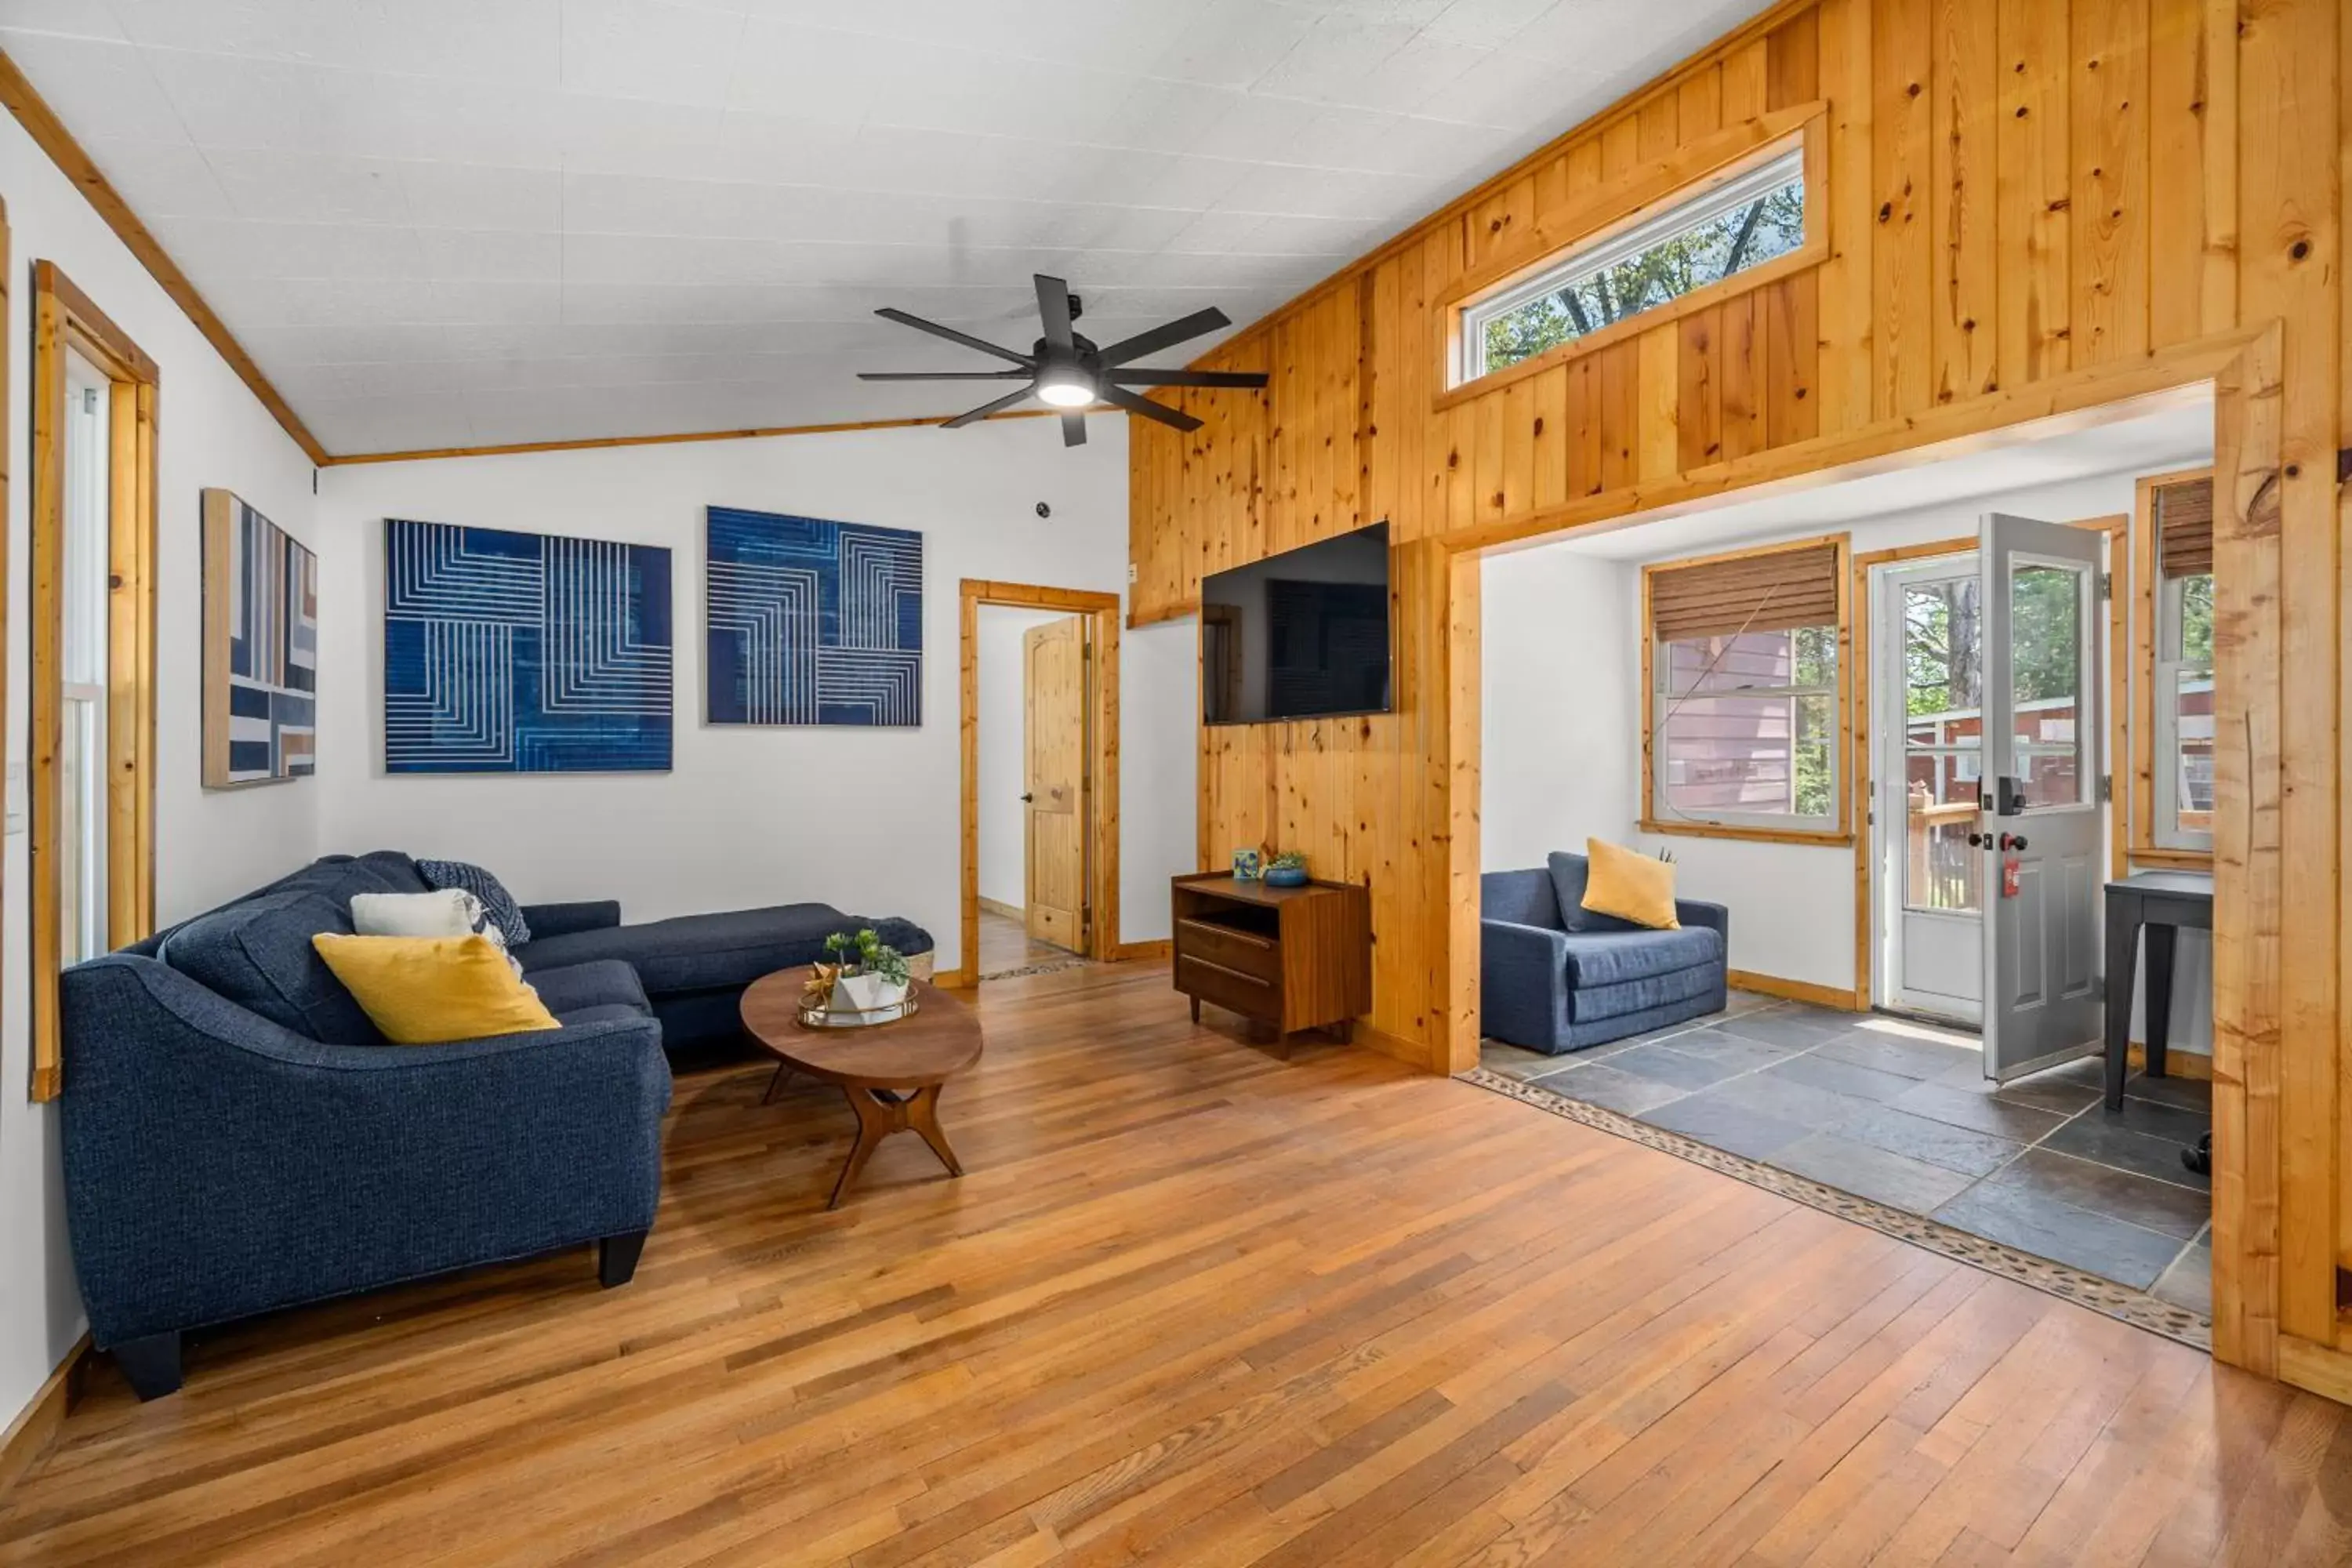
[1070, 371]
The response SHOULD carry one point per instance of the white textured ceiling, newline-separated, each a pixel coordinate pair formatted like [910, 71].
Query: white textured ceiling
[459, 222]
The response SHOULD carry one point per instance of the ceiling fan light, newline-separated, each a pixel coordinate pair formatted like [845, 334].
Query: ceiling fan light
[1066, 389]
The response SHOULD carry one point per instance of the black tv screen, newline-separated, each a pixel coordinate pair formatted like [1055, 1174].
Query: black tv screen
[1303, 635]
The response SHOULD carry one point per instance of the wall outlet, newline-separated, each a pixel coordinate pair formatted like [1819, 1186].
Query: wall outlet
[1130, 575]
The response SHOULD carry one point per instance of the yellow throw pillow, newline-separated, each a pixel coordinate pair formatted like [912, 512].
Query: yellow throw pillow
[430, 990]
[1630, 885]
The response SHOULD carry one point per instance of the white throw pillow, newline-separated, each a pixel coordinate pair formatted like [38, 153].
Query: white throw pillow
[444, 913]
[451, 911]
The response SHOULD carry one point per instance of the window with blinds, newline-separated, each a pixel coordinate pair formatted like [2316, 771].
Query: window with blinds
[2181, 674]
[1745, 688]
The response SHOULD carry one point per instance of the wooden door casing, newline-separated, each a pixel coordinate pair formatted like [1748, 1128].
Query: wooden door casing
[1053, 773]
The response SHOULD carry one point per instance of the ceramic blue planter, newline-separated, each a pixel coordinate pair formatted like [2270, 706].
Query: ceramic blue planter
[1285, 875]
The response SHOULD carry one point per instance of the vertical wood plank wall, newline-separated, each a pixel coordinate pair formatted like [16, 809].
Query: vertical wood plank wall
[2027, 201]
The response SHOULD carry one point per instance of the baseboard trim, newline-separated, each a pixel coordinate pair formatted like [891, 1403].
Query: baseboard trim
[998, 907]
[1413, 1053]
[1133, 952]
[1844, 1001]
[2319, 1369]
[2177, 1063]
[36, 1428]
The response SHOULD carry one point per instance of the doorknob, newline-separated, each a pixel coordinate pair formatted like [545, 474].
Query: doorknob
[1026, 797]
[2013, 841]
[1975, 839]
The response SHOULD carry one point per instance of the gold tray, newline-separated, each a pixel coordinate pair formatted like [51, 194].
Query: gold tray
[827, 1018]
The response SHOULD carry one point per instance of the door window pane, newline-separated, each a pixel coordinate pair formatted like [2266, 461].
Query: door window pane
[1940, 870]
[2045, 635]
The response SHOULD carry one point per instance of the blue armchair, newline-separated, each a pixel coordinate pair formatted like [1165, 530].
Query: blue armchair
[1554, 977]
[238, 1138]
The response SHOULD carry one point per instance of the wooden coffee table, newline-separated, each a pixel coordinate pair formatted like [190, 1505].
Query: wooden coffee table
[890, 1073]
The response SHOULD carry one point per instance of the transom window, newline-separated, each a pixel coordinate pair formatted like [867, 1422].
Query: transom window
[1740, 223]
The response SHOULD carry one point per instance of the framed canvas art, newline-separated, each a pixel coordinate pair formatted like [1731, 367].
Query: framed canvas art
[261, 648]
[523, 653]
[812, 622]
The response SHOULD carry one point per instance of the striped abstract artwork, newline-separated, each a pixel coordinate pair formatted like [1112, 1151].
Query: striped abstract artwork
[812, 622]
[523, 653]
[261, 649]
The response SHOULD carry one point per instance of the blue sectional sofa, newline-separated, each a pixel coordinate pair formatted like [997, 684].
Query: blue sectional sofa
[1553, 977]
[238, 1137]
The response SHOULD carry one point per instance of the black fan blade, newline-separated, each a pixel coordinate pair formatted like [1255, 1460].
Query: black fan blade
[985, 410]
[943, 375]
[1074, 429]
[1168, 336]
[1119, 396]
[1186, 377]
[1054, 310]
[890, 313]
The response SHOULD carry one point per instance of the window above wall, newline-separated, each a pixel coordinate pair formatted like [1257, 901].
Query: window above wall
[1698, 241]
[1665, 240]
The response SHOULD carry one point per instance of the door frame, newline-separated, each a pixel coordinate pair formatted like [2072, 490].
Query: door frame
[1101, 612]
[2117, 528]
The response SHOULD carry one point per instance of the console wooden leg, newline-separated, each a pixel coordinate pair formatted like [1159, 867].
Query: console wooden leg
[1196, 1009]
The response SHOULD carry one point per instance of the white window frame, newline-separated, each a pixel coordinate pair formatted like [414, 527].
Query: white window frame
[1663, 700]
[1782, 165]
[2166, 832]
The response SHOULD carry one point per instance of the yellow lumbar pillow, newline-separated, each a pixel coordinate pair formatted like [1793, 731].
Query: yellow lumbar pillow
[430, 990]
[1630, 885]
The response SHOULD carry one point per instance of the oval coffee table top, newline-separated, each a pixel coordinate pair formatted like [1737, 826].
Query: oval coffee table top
[941, 1040]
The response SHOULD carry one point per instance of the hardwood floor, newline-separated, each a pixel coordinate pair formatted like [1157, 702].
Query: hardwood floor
[1193, 1305]
[1005, 943]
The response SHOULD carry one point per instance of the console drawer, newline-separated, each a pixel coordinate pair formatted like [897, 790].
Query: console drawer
[1229, 988]
[1229, 948]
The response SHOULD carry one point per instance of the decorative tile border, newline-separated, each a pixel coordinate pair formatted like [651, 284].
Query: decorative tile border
[2121, 1302]
[1051, 966]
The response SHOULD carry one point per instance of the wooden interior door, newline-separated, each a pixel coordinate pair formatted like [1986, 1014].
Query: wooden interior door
[1054, 723]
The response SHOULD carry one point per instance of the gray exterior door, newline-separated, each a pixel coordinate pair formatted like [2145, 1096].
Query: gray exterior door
[2041, 819]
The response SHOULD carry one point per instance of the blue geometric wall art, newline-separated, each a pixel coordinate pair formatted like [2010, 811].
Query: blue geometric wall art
[523, 653]
[261, 649]
[812, 622]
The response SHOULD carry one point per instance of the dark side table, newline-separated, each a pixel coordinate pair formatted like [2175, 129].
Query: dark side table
[2162, 902]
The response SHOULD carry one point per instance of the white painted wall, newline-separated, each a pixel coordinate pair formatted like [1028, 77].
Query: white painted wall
[865, 819]
[1003, 819]
[1159, 671]
[210, 844]
[1561, 670]
[1559, 667]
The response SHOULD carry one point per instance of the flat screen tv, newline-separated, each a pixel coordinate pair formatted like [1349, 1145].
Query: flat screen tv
[1303, 635]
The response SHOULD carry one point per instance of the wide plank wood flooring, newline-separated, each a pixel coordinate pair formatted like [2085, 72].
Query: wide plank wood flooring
[1194, 1305]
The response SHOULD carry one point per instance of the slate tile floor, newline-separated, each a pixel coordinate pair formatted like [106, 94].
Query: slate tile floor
[1900, 1112]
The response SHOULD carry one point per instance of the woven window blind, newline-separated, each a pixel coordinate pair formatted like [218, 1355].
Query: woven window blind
[1774, 592]
[2184, 528]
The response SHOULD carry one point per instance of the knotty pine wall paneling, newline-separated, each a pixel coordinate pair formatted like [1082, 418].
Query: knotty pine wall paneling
[2030, 207]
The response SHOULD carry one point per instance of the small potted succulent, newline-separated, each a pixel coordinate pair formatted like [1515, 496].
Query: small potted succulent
[1287, 870]
[868, 974]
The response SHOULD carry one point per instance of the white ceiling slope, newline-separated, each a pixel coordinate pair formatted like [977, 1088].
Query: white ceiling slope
[463, 222]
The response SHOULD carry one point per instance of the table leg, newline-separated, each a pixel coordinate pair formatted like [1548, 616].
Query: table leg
[783, 1076]
[923, 1115]
[2160, 944]
[876, 1120]
[2122, 960]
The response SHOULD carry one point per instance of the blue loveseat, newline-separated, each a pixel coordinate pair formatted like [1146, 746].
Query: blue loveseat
[238, 1137]
[1553, 977]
